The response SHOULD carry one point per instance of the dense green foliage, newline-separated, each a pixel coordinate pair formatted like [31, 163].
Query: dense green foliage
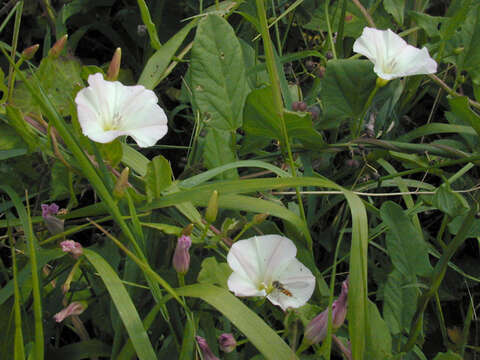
[270, 109]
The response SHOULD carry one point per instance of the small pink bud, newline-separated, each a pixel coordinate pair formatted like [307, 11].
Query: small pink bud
[72, 247]
[57, 48]
[316, 330]
[205, 349]
[181, 256]
[74, 308]
[30, 51]
[227, 342]
[114, 68]
[259, 218]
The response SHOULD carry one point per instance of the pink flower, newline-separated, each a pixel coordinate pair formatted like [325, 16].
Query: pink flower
[181, 257]
[54, 224]
[74, 308]
[316, 330]
[227, 342]
[206, 352]
[49, 210]
[72, 247]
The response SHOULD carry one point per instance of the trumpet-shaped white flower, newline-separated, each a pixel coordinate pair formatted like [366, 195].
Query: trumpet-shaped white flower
[267, 266]
[392, 56]
[108, 109]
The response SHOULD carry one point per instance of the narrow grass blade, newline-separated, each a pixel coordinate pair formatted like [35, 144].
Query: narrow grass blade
[124, 304]
[262, 336]
[19, 351]
[32, 248]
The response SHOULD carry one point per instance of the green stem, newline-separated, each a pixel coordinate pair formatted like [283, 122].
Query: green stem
[446, 219]
[441, 320]
[277, 99]
[330, 301]
[329, 28]
[181, 280]
[358, 124]
[245, 228]
[16, 31]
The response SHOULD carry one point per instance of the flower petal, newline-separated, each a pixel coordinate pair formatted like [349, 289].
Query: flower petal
[413, 61]
[242, 286]
[392, 56]
[258, 257]
[108, 109]
[299, 283]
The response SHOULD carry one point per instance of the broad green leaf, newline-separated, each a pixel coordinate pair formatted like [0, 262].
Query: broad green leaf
[214, 273]
[354, 21]
[461, 108]
[59, 182]
[399, 302]
[449, 28]
[405, 244]
[218, 76]
[153, 72]
[262, 336]
[346, 87]
[260, 119]
[111, 152]
[10, 140]
[22, 128]
[158, 177]
[218, 151]
[124, 305]
[469, 58]
[379, 341]
[59, 78]
[449, 202]
[396, 8]
[134, 160]
[427, 22]
[147, 21]
[456, 223]
[448, 356]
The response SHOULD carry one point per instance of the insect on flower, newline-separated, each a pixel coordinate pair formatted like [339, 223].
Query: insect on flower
[279, 286]
[266, 266]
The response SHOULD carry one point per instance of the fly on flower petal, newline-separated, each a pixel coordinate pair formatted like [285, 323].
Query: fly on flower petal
[392, 56]
[108, 109]
[267, 266]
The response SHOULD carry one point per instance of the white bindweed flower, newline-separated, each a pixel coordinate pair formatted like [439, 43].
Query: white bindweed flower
[108, 109]
[267, 266]
[392, 56]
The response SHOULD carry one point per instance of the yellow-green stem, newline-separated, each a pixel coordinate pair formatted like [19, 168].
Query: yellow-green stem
[358, 124]
[16, 31]
[277, 99]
